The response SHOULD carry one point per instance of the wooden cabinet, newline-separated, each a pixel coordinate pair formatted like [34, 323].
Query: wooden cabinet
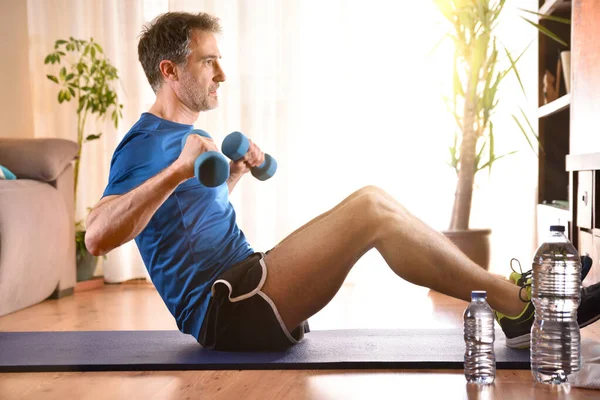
[569, 127]
[584, 199]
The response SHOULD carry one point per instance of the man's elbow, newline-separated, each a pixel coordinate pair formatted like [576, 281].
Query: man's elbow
[93, 243]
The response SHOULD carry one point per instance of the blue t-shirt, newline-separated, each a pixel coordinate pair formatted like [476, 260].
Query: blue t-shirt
[193, 236]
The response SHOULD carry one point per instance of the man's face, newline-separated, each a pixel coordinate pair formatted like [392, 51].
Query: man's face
[202, 73]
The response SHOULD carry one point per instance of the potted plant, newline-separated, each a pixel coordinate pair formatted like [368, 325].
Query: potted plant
[84, 74]
[477, 76]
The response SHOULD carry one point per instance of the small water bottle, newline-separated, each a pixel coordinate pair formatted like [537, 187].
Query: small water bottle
[480, 360]
[556, 293]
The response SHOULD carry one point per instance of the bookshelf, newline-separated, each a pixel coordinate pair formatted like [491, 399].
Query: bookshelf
[553, 114]
[569, 162]
[555, 106]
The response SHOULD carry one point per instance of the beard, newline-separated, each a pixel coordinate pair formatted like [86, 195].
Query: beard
[195, 95]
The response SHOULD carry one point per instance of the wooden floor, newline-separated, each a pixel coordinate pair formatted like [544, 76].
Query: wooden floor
[136, 305]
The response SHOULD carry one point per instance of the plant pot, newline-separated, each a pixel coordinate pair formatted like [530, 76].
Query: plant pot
[475, 243]
[86, 266]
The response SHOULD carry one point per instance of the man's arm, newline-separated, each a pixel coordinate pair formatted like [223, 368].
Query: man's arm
[116, 220]
[253, 158]
[233, 180]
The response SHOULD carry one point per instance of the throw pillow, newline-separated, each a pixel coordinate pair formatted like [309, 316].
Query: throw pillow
[6, 174]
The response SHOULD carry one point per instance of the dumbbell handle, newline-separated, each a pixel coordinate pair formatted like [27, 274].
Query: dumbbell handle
[236, 145]
[211, 168]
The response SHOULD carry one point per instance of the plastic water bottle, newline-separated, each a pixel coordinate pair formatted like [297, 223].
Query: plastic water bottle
[480, 360]
[556, 293]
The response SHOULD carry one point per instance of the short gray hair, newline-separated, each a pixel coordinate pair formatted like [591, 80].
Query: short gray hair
[168, 37]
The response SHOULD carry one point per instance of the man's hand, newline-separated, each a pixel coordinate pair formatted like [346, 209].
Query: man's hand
[253, 158]
[194, 146]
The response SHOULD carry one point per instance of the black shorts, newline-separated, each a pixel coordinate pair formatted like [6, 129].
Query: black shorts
[241, 317]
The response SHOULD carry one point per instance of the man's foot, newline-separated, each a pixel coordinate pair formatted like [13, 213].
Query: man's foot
[517, 329]
[589, 308]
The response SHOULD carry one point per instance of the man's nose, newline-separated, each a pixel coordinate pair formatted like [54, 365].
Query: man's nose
[220, 74]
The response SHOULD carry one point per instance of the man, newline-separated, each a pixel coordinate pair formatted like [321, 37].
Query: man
[218, 288]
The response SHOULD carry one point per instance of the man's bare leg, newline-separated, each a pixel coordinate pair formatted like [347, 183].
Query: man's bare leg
[325, 214]
[307, 268]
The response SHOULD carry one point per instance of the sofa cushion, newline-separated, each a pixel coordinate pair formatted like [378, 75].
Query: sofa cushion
[41, 159]
[5, 173]
[35, 242]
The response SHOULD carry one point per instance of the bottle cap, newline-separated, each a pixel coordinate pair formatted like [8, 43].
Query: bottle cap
[478, 294]
[557, 228]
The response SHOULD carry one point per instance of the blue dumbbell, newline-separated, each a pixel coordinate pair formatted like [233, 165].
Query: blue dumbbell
[236, 145]
[211, 168]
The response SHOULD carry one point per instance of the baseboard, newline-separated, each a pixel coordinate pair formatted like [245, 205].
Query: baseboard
[59, 294]
[91, 284]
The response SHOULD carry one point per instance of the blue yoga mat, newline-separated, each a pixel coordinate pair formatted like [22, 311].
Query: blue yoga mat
[172, 350]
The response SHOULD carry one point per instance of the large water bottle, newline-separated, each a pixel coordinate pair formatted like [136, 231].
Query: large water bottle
[556, 293]
[480, 360]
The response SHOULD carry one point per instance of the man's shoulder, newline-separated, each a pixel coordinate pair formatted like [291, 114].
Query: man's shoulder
[139, 136]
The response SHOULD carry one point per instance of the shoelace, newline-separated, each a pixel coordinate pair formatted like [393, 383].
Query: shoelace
[522, 282]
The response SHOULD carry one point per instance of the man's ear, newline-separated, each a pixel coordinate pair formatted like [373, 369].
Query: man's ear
[168, 70]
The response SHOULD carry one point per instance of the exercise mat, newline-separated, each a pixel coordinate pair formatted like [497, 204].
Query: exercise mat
[172, 350]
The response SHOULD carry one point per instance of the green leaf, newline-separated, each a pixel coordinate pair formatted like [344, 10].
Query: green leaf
[52, 78]
[488, 164]
[48, 59]
[546, 32]
[548, 17]
[537, 138]
[63, 73]
[60, 97]
[497, 12]
[72, 91]
[513, 66]
[69, 77]
[524, 133]
[445, 9]
[477, 58]
[457, 84]
[60, 41]
[434, 48]
[93, 137]
[81, 104]
[491, 155]
[97, 46]
[478, 156]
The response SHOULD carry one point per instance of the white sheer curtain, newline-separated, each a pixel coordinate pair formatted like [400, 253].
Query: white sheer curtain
[342, 93]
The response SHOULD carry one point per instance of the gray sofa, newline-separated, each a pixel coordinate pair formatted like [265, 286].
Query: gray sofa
[37, 225]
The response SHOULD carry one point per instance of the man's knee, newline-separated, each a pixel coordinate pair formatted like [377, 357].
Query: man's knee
[370, 190]
[383, 198]
[371, 203]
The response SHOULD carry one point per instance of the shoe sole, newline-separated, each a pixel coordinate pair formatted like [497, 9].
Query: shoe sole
[589, 322]
[519, 342]
[524, 341]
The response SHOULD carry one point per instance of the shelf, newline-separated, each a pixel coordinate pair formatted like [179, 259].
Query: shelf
[555, 106]
[557, 204]
[551, 6]
[583, 162]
